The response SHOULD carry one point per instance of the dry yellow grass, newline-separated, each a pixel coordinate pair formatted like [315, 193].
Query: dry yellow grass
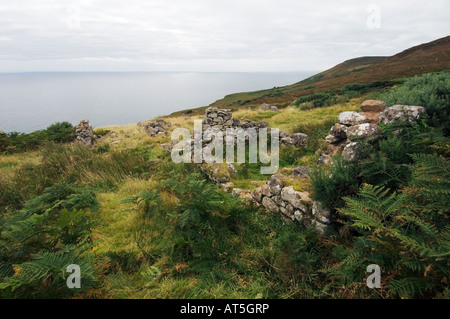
[10, 163]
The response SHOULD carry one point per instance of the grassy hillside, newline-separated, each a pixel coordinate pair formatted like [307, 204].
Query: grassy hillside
[430, 57]
[141, 226]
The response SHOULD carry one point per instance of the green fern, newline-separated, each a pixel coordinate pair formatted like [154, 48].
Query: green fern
[46, 274]
[401, 233]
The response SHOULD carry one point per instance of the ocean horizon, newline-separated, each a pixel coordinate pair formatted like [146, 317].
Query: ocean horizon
[33, 101]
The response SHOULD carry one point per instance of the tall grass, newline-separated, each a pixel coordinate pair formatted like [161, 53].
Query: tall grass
[72, 163]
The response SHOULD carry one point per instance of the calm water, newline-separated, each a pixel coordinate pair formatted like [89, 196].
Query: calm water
[33, 101]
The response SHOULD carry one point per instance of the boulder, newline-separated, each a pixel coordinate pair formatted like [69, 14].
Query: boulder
[276, 184]
[350, 152]
[298, 215]
[283, 134]
[294, 198]
[301, 171]
[288, 212]
[325, 157]
[338, 133]
[257, 195]
[274, 108]
[373, 106]
[351, 118]
[372, 117]
[365, 130]
[300, 140]
[321, 228]
[265, 191]
[227, 187]
[241, 193]
[265, 107]
[401, 113]
[236, 192]
[263, 124]
[321, 214]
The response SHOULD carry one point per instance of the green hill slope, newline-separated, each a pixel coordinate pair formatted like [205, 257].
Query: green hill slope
[429, 57]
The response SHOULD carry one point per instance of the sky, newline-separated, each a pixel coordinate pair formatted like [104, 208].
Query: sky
[210, 35]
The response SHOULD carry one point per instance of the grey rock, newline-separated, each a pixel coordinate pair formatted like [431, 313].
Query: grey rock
[257, 195]
[236, 192]
[263, 124]
[298, 216]
[276, 184]
[301, 171]
[350, 152]
[227, 187]
[283, 134]
[351, 118]
[270, 205]
[300, 140]
[294, 198]
[265, 191]
[265, 107]
[321, 228]
[401, 113]
[338, 133]
[321, 214]
[364, 131]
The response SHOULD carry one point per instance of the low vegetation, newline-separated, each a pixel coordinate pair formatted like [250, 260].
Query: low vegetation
[61, 132]
[141, 226]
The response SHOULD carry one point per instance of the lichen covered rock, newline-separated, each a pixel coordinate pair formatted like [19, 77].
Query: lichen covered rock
[401, 113]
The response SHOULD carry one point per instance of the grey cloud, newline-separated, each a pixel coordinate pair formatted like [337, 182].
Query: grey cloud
[204, 35]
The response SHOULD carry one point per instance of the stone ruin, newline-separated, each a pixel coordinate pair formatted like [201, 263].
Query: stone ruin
[277, 197]
[292, 205]
[156, 128]
[222, 119]
[84, 133]
[364, 126]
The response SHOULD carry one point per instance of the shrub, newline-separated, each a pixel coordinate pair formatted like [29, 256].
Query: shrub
[390, 163]
[430, 90]
[19, 142]
[60, 132]
[329, 187]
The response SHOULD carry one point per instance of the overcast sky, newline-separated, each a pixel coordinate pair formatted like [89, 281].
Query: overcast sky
[209, 35]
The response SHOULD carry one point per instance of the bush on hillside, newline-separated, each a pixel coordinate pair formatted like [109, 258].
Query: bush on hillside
[431, 91]
[60, 132]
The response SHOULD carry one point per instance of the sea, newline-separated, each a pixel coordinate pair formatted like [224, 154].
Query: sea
[33, 101]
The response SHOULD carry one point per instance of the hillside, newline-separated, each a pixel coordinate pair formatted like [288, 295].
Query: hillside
[429, 57]
[359, 183]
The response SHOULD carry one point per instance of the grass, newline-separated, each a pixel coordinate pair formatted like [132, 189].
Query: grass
[162, 231]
